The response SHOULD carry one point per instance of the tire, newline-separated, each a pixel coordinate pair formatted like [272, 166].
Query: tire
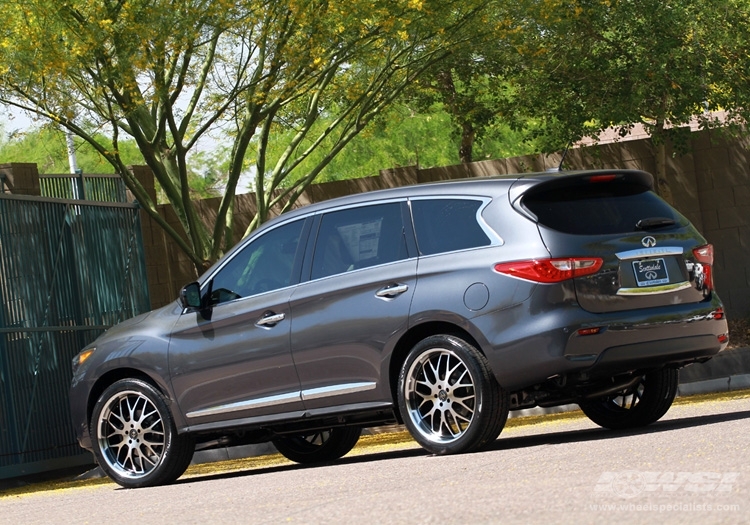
[638, 406]
[318, 446]
[134, 436]
[448, 398]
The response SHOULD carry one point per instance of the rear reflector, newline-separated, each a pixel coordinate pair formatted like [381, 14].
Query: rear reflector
[551, 270]
[723, 338]
[589, 331]
[705, 256]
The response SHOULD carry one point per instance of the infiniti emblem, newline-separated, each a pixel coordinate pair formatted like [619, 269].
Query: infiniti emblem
[648, 242]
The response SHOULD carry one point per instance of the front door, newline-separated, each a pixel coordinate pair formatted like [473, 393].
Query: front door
[233, 360]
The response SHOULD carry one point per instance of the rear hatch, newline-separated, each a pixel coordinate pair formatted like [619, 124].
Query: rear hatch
[649, 254]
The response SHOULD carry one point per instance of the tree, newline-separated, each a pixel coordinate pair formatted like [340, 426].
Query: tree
[582, 66]
[46, 147]
[469, 83]
[169, 74]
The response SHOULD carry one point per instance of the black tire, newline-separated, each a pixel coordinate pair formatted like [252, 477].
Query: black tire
[448, 397]
[134, 436]
[318, 446]
[638, 406]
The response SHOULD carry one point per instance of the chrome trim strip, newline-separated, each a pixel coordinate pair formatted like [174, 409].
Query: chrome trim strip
[650, 252]
[336, 390]
[269, 401]
[655, 290]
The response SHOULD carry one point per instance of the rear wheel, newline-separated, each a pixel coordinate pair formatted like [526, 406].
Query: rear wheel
[640, 405]
[449, 399]
[134, 436]
[318, 446]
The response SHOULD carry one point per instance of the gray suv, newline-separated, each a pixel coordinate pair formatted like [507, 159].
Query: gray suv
[440, 306]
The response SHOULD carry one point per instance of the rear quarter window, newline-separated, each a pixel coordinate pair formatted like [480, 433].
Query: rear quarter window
[598, 209]
[447, 225]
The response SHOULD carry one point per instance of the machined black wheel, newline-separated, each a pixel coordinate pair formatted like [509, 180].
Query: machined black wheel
[639, 405]
[449, 399]
[134, 436]
[318, 446]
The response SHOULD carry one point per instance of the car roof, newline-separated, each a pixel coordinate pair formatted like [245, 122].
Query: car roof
[471, 186]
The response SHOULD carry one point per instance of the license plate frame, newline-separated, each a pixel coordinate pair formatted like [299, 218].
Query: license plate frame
[650, 272]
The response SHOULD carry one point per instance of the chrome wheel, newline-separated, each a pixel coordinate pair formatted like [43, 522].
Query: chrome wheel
[134, 436]
[130, 433]
[440, 395]
[448, 398]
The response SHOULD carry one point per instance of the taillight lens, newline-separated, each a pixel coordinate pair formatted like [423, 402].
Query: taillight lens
[705, 256]
[551, 270]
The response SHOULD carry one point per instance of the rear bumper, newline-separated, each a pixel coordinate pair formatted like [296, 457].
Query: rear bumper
[544, 344]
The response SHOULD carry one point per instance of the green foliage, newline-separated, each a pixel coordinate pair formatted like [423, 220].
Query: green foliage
[583, 66]
[403, 136]
[47, 147]
[260, 73]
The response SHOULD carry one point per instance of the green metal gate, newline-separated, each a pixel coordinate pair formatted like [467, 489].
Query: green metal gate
[68, 271]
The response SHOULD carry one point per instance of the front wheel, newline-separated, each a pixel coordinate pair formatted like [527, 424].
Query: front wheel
[449, 399]
[318, 446]
[134, 436]
[640, 405]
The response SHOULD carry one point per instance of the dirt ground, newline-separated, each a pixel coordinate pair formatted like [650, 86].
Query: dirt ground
[739, 332]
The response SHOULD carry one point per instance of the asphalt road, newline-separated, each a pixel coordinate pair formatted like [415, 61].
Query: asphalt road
[693, 466]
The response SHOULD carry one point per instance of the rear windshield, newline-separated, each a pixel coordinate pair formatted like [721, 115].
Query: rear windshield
[598, 209]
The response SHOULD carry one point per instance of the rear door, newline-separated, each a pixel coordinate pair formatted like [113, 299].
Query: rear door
[362, 275]
[652, 255]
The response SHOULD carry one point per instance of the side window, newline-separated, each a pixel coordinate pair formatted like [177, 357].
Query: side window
[446, 225]
[359, 238]
[263, 265]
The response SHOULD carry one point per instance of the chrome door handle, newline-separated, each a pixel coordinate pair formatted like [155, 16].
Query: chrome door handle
[392, 291]
[270, 319]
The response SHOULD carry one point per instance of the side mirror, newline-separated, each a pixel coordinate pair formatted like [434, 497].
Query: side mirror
[190, 296]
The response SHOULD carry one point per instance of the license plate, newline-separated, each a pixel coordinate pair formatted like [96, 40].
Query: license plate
[650, 272]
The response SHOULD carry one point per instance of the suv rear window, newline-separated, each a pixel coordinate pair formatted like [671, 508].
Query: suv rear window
[447, 225]
[359, 238]
[598, 209]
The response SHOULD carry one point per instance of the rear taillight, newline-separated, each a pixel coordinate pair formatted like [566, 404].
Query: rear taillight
[551, 270]
[705, 256]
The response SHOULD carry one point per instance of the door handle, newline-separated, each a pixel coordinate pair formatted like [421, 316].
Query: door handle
[391, 291]
[270, 319]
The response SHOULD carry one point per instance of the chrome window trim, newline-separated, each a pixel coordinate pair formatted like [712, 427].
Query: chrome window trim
[363, 204]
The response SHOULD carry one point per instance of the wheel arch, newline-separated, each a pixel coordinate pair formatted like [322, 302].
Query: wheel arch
[111, 377]
[411, 338]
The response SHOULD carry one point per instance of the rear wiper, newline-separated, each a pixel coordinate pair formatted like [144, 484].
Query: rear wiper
[653, 223]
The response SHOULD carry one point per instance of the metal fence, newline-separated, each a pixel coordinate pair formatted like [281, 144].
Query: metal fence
[68, 271]
[102, 188]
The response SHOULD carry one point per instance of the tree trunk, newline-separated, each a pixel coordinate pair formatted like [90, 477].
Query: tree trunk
[467, 142]
[659, 141]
